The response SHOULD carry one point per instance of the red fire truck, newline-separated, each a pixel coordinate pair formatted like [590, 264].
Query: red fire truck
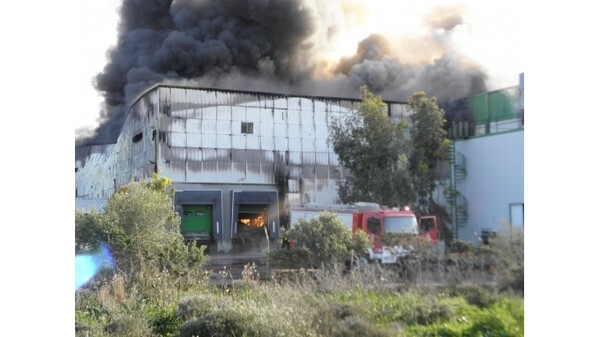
[376, 221]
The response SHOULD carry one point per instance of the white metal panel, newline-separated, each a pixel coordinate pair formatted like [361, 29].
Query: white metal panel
[306, 104]
[321, 145]
[266, 117]
[223, 141]
[209, 154]
[193, 125]
[177, 139]
[194, 154]
[281, 103]
[224, 127]
[308, 145]
[321, 130]
[280, 116]
[209, 127]
[238, 141]
[209, 113]
[294, 103]
[280, 130]
[294, 117]
[209, 140]
[238, 113]
[177, 125]
[281, 143]
[209, 97]
[322, 158]
[308, 158]
[320, 106]
[295, 157]
[253, 115]
[294, 131]
[178, 154]
[224, 113]
[295, 171]
[253, 142]
[293, 185]
[308, 130]
[180, 113]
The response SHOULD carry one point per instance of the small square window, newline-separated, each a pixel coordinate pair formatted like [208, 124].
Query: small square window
[247, 127]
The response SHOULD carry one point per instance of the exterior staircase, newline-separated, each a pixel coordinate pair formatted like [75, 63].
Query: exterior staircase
[457, 202]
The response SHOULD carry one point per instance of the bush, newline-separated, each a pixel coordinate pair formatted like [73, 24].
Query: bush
[227, 323]
[477, 295]
[508, 260]
[326, 240]
[164, 321]
[128, 325]
[142, 231]
[289, 258]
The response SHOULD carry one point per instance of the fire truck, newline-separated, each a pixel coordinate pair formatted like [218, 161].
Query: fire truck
[376, 221]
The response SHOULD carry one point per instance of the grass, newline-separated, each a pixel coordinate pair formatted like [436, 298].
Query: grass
[451, 296]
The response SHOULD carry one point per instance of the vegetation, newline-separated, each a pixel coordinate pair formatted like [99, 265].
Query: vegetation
[323, 241]
[142, 231]
[160, 287]
[428, 147]
[392, 164]
[373, 149]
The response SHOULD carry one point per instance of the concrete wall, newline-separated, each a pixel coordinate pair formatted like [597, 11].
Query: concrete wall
[494, 182]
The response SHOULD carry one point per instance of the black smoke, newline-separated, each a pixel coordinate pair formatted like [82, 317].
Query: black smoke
[257, 44]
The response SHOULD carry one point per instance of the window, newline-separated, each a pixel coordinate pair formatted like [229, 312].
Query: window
[373, 225]
[247, 127]
[517, 215]
[401, 224]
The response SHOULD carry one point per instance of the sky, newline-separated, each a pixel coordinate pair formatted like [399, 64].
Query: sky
[491, 34]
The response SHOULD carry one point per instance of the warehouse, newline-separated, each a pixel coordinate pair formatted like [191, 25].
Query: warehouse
[238, 159]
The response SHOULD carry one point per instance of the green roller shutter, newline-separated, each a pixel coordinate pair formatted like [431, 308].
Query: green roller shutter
[196, 219]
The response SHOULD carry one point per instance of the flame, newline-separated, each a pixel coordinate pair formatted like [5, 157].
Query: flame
[257, 222]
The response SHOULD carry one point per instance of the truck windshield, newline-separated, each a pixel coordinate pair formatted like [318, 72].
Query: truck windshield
[401, 224]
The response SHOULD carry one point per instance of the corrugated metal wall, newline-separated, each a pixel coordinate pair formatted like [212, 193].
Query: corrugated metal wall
[204, 140]
[196, 136]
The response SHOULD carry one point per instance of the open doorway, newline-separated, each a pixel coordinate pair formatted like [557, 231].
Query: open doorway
[251, 223]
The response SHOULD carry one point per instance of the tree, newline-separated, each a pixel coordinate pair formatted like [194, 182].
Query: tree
[142, 231]
[372, 148]
[429, 146]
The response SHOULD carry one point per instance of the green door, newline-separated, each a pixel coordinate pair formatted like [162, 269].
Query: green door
[197, 220]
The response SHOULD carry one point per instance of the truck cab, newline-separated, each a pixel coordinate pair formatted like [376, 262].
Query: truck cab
[376, 223]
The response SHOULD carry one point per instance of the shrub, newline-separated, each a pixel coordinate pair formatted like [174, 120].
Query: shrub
[289, 258]
[128, 325]
[227, 323]
[164, 321]
[326, 240]
[198, 306]
[508, 259]
[477, 295]
[354, 326]
[142, 231]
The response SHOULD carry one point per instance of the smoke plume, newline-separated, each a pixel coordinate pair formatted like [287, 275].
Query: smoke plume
[270, 45]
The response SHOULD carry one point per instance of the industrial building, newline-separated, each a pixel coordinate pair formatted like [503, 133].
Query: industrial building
[238, 159]
[486, 184]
